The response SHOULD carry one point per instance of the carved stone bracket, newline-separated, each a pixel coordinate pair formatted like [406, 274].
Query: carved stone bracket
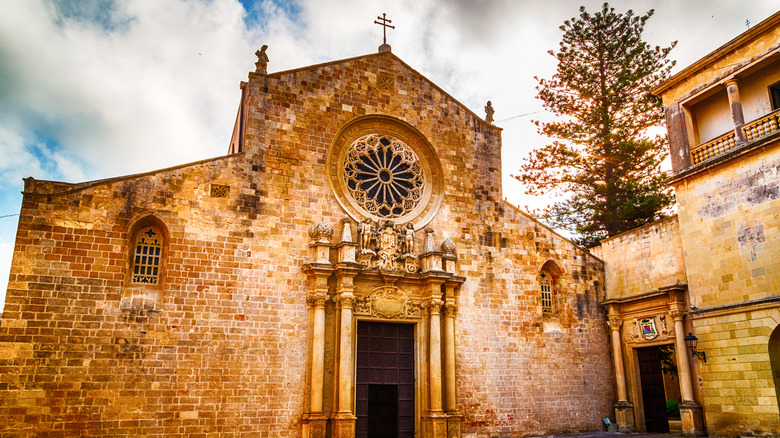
[387, 302]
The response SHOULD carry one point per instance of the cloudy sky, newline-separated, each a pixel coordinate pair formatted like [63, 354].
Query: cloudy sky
[91, 89]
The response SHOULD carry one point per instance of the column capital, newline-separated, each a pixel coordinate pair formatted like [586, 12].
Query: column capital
[677, 310]
[433, 306]
[450, 309]
[345, 300]
[317, 300]
[614, 323]
[731, 81]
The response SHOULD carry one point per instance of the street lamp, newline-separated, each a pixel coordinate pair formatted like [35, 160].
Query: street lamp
[691, 341]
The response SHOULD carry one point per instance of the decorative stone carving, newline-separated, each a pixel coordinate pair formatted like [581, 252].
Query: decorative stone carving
[346, 230]
[615, 323]
[317, 300]
[346, 300]
[321, 232]
[448, 247]
[387, 302]
[450, 309]
[388, 247]
[430, 245]
[648, 329]
[387, 240]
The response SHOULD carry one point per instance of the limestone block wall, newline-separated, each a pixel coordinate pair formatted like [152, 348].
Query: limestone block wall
[731, 231]
[729, 225]
[643, 260]
[223, 353]
[737, 381]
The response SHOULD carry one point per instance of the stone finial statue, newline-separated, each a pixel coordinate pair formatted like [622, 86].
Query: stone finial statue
[489, 111]
[321, 232]
[429, 243]
[346, 230]
[262, 60]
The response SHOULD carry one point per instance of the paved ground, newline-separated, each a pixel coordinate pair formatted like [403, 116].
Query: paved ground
[617, 435]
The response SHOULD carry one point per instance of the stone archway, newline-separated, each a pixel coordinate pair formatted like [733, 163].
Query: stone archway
[774, 359]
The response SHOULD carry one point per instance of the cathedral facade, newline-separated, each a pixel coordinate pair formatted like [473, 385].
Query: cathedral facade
[349, 268]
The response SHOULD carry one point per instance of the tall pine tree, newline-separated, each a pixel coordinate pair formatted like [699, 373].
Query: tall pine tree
[603, 158]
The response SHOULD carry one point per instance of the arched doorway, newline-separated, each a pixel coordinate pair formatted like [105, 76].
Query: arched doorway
[774, 359]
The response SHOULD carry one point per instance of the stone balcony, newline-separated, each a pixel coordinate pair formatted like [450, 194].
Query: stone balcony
[755, 130]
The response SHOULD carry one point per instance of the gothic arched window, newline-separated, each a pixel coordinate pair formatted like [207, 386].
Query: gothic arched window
[147, 256]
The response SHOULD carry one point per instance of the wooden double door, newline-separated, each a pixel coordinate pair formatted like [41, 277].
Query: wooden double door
[384, 399]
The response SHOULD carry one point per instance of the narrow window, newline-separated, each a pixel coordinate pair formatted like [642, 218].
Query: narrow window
[774, 93]
[546, 288]
[147, 256]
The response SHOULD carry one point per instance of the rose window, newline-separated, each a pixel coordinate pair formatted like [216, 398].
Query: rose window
[383, 175]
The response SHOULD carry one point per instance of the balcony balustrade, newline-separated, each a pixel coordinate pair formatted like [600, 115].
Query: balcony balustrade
[754, 130]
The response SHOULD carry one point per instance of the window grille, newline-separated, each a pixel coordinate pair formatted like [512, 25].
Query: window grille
[146, 260]
[546, 287]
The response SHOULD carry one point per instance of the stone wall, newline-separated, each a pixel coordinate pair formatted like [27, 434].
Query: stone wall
[731, 231]
[643, 260]
[222, 352]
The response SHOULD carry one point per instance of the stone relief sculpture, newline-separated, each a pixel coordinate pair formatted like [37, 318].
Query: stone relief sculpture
[387, 246]
[387, 302]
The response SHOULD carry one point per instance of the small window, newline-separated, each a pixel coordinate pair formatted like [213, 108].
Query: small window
[147, 256]
[546, 288]
[774, 93]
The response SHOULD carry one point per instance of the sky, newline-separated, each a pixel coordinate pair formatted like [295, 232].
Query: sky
[92, 89]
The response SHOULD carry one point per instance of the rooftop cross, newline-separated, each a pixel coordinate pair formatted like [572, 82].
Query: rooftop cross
[384, 23]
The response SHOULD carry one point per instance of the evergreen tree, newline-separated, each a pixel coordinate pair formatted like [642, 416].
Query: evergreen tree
[603, 157]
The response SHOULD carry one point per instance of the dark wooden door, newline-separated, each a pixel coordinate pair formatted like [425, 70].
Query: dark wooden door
[384, 399]
[653, 395]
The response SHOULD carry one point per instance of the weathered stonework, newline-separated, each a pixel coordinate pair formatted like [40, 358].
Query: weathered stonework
[223, 347]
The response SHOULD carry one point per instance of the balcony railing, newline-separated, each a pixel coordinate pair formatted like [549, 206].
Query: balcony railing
[754, 130]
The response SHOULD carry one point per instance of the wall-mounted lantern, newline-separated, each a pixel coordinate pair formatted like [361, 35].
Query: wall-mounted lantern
[691, 341]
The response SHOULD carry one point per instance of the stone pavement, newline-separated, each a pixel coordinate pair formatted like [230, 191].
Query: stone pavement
[615, 435]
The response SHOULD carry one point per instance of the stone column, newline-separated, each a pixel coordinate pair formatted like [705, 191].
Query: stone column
[624, 410]
[450, 401]
[317, 301]
[437, 420]
[314, 421]
[450, 398]
[690, 411]
[344, 419]
[732, 89]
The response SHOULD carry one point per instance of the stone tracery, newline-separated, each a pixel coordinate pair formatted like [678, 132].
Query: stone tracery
[383, 175]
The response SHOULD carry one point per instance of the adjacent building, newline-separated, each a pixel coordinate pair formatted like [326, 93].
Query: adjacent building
[712, 272]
